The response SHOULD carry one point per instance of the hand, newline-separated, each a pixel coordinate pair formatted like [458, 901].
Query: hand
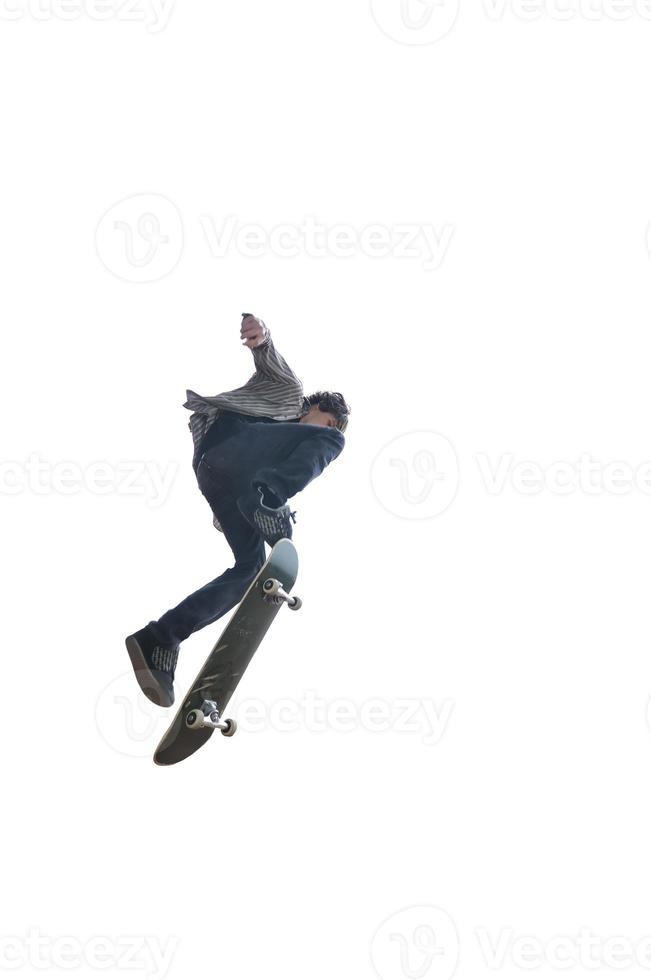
[252, 331]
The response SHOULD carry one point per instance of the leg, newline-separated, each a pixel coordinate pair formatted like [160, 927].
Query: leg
[286, 456]
[213, 600]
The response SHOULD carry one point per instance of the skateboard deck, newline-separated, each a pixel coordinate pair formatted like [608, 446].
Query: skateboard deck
[201, 711]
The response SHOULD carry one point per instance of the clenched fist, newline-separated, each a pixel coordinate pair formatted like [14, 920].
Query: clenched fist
[252, 331]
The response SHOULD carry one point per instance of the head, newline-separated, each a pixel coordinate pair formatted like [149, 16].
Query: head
[326, 408]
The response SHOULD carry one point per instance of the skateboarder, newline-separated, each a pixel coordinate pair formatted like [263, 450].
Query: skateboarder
[254, 448]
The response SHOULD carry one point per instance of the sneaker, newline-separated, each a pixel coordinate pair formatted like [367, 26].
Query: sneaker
[266, 513]
[154, 666]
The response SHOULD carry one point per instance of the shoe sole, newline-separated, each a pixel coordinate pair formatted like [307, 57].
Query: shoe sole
[146, 678]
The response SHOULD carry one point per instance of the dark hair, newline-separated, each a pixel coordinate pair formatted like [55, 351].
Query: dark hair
[330, 401]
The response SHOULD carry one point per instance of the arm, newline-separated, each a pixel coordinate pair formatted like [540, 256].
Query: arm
[274, 390]
[268, 362]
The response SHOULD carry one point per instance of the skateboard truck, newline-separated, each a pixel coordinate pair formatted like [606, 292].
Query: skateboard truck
[274, 591]
[207, 716]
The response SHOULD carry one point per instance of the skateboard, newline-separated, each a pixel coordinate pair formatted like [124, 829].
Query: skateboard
[202, 710]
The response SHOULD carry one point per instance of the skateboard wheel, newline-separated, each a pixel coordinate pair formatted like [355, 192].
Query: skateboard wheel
[295, 603]
[269, 586]
[231, 727]
[194, 719]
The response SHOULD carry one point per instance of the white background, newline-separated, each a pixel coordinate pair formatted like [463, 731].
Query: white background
[513, 607]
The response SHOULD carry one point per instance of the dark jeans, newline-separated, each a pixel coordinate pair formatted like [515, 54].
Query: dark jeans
[284, 455]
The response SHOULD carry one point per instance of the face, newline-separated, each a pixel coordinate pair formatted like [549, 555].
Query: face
[316, 417]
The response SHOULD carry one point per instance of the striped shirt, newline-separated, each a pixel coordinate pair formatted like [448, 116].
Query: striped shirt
[273, 391]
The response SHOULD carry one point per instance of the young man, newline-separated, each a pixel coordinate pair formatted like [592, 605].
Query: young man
[254, 448]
